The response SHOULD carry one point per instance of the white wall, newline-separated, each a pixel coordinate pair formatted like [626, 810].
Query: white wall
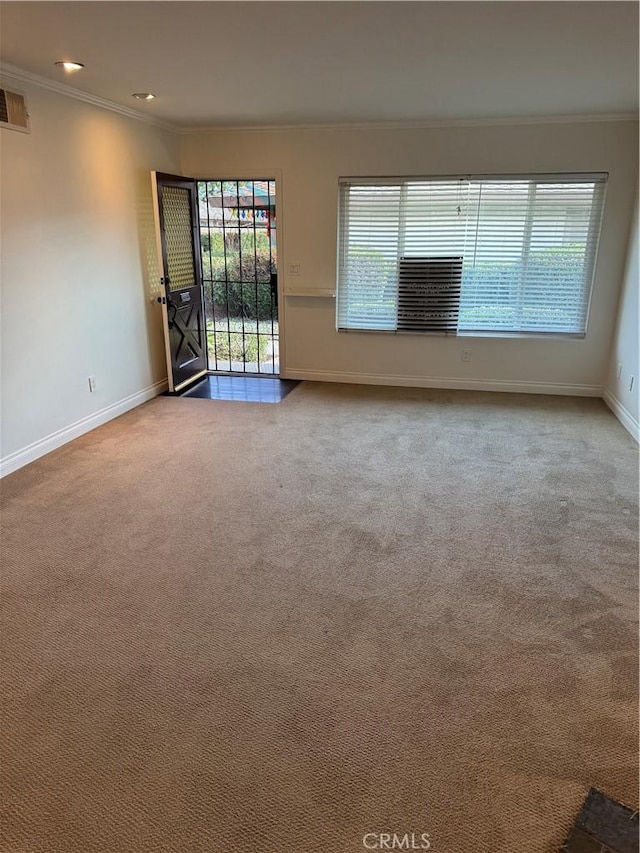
[77, 270]
[625, 359]
[311, 161]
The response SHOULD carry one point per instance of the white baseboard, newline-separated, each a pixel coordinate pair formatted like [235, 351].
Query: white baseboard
[623, 415]
[34, 451]
[51, 442]
[446, 382]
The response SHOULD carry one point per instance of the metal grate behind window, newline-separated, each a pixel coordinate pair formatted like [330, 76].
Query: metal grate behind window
[429, 294]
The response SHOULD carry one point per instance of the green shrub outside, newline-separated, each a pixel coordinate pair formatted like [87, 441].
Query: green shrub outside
[225, 341]
[237, 278]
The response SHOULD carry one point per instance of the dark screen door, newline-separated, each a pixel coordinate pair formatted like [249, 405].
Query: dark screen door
[182, 302]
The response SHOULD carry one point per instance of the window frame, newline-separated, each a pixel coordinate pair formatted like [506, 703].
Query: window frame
[593, 236]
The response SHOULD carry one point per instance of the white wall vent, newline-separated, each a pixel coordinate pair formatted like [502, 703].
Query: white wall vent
[13, 111]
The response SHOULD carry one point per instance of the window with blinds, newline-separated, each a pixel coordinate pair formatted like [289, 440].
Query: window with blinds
[468, 255]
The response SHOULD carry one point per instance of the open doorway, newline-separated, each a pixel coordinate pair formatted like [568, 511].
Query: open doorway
[239, 275]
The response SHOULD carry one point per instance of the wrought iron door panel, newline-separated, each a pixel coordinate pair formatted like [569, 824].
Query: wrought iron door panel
[239, 262]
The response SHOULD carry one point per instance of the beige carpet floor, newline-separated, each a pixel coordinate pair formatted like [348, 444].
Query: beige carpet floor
[245, 628]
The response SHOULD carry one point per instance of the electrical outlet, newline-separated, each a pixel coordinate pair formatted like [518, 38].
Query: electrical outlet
[294, 269]
[465, 355]
[92, 383]
[619, 370]
[631, 383]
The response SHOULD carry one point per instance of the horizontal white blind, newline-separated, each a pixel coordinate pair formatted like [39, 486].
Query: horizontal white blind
[527, 243]
[529, 261]
[368, 256]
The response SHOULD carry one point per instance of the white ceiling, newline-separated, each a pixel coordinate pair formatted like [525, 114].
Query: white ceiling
[255, 63]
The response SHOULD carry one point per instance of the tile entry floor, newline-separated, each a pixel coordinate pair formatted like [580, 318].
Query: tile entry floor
[247, 389]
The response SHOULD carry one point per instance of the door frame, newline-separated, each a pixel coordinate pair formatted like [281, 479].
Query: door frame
[270, 175]
[162, 298]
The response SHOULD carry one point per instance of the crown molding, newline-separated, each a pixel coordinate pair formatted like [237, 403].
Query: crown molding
[15, 73]
[408, 125]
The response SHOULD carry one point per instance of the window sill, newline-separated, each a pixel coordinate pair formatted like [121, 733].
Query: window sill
[526, 335]
[313, 292]
[546, 336]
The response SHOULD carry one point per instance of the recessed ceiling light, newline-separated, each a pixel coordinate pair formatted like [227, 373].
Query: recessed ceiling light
[70, 66]
[143, 96]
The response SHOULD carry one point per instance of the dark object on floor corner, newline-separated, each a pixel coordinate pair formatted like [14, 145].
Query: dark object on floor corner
[247, 389]
[603, 826]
